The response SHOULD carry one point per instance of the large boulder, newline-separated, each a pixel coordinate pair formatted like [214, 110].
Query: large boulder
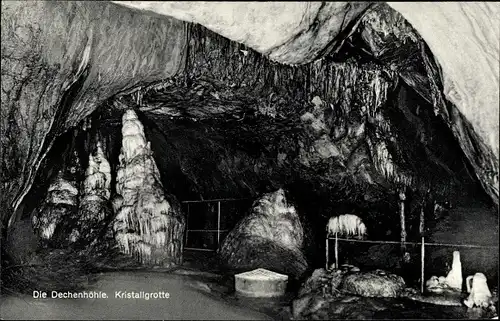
[325, 282]
[320, 296]
[270, 237]
[374, 284]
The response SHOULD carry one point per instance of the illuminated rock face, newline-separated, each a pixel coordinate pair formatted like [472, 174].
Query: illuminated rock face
[468, 55]
[60, 205]
[271, 237]
[147, 225]
[60, 202]
[288, 32]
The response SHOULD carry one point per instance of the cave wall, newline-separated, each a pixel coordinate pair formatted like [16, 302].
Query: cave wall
[462, 36]
[69, 82]
[320, 119]
[59, 61]
[235, 123]
[290, 33]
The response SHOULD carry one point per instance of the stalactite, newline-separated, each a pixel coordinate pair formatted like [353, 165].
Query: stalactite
[358, 96]
[146, 226]
[383, 161]
[346, 225]
[354, 93]
[402, 221]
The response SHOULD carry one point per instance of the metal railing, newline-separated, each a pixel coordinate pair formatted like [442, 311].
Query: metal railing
[218, 230]
[422, 244]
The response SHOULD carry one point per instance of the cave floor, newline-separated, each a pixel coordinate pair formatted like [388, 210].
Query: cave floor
[202, 266]
[198, 290]
[187, 301]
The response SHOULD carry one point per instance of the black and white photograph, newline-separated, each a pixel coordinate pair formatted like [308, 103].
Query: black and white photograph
[190, 160]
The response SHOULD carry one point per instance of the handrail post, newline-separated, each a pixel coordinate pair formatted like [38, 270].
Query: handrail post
[218, 224]
[327, 259]
[422, 247]
[336, 250]
[187, 225]
[422, 265]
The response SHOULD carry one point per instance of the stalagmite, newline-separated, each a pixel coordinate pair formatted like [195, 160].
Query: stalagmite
[402, 218]
[104, 168]
[270, 237]
[480, 295]
[147, 225]
[452, 282]
[94, 208]
[454, 277]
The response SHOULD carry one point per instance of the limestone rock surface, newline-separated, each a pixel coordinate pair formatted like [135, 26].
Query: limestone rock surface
[54, 50]
[270, 237]
[374, 284]
[291, 33]
[468, 52]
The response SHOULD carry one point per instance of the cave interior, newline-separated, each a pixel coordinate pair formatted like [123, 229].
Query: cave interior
[346, 133]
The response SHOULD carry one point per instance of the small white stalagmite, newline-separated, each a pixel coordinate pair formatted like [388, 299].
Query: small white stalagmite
[480, 295]
[452, 282]
[146, 226]
[454, 278]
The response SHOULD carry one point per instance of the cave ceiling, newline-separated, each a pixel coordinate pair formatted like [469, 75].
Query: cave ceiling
[351, 100]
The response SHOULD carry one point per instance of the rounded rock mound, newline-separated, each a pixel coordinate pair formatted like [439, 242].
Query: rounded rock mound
[376, 283]
[270, 237]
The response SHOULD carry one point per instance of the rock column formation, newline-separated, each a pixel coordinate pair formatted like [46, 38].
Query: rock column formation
[94, 203]
[147, 225]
